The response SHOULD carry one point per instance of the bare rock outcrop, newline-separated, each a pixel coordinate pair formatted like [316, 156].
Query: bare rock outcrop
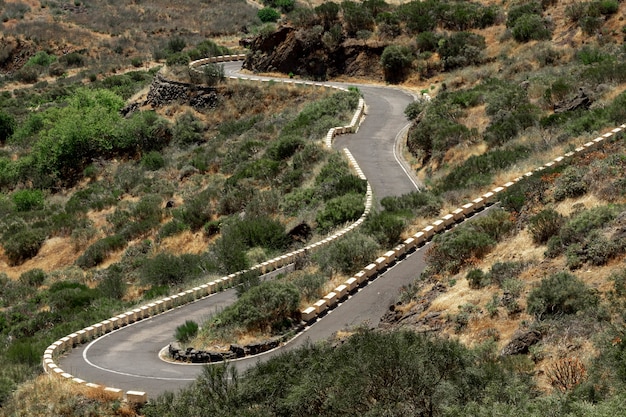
[304, 53]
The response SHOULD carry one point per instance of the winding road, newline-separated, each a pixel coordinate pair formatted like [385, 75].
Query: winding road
[128, 358]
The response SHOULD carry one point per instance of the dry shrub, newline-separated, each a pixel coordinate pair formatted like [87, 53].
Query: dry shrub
[565, 374]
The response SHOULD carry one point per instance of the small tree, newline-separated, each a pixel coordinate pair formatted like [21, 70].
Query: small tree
[268, 15]
[396, 60]
[213, 73]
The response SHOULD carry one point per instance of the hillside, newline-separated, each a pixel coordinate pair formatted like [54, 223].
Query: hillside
[88, 230]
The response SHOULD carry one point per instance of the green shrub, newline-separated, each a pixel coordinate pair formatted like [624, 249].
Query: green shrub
[461, 49]
[268, 14]
[285, 147]
[478, 170]
[27, 200]
[560, 293]
[451, 251]
[33, 277]
[187, 331]
[113, 285]
[531, 27]
[582, 224]
[41, 59]
[476, 279]
[271, 306]
[213, 74]
[544, 225]
[172, 228]
[570, 184]
[168, 269]
[516, 12]
[396, 60]
[67, 297]
[328, 13]
[258, 231]
[230, 253]
[347, 255]
[153, 161]
[73, 59]
[356, 17]
[340, 210]
[178, 58]
[196, 210]
[502, 272]
[418, 204]
[97, 252]
[23, 245]
[385, 227]
[310, 286]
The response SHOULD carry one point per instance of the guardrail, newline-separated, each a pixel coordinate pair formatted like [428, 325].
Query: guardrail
[324, 304]
[168, 303]
[370, 271]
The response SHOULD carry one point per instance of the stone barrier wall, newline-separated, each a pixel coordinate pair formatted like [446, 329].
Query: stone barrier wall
[330, 300]
[160, 306]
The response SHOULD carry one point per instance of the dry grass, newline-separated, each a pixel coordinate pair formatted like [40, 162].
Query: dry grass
[50, 396]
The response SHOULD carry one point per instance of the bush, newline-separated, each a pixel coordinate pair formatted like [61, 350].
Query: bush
[531, 27]
[396, 60]
[385, 227]
[347, 255]
[476, 279]
[258, 231]
[451, 251]
[502, 272]
[187, 331]
[461, 49]
[97, 252]
[33, 277]
[544, 225]
[168, 269]
[40, 59]
[23, 245]
[560, 293]
[27, 200]
[310, 286]
[269, 307]
[268, 14]
[153, 161]
[7, 127]
[340, 210]
[427, 41]
[213, 74]
[516, 12]
[113, 285]
[414, 204]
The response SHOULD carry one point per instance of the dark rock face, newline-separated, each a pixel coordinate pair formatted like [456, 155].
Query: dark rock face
[302, 52]
[521, 343]
[581, 101]
[300, 233]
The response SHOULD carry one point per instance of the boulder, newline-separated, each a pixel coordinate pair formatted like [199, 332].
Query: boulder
[521, 343]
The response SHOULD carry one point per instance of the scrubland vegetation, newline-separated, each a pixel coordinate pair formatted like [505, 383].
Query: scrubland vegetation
[87, 231]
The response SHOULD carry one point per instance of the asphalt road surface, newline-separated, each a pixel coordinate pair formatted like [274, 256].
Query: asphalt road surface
[129, 357]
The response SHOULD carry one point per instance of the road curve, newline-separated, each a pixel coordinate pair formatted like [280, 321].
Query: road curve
[128, 358]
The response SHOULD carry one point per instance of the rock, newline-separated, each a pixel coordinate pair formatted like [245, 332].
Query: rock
[302, 52]
[521, 343]
[238, 350]
[581, 101]
[300, 233]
